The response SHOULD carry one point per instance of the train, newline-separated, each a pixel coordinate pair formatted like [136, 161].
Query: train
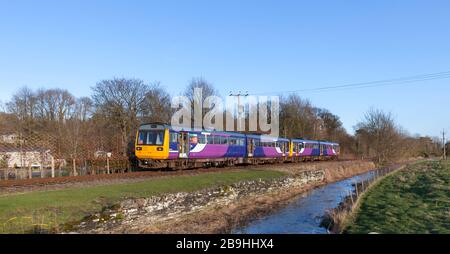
[160, 146]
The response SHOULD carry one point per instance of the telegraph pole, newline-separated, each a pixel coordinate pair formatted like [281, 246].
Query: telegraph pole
[443, 143]
[240, 109]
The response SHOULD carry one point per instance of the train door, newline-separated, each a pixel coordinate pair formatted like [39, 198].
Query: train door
[300, 148]
[183, 147]
[250, 147]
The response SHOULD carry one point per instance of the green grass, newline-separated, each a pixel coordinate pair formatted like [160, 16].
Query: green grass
[415, 200]
[22, 212]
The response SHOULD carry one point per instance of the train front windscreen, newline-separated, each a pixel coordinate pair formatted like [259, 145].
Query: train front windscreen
[151, 137]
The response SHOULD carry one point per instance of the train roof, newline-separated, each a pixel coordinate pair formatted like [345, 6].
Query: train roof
[267, 137]
[314, 141]
[328, 143]
[221, 133]
[304, 140]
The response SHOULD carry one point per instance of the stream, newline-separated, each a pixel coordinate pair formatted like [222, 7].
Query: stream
[304, 214]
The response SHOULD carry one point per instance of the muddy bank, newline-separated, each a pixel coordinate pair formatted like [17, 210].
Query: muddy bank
[217, 210]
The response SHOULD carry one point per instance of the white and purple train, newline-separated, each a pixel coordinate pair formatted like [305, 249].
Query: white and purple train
[160, 146]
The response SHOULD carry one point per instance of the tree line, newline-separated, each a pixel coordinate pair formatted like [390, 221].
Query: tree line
[107, 120]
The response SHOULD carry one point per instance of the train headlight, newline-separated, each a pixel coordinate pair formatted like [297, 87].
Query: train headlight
[160, 149]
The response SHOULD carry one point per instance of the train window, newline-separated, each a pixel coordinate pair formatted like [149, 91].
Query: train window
[202, 139]
[174, 137]
[216, 140]
[233, 141]
[193, 139]
[223, 140]
[241, 142]
[155, 137]
[210, 139]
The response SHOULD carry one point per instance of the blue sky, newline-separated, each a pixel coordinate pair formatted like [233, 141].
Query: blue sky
[255, 46]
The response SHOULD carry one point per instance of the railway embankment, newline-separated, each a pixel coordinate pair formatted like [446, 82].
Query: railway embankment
[217, 209]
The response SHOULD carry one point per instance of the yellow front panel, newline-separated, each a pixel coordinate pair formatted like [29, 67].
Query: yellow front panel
[153, 152]
[291, 148]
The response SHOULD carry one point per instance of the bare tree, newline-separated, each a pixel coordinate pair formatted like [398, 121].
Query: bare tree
[297, 117]
[157, 105]
[23, 106]
[196, 100]
[121, 100]
[332, 123]
[54, 104]
[380, 135]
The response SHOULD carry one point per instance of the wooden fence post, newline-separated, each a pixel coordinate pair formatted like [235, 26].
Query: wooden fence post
[351, 197]
[30, 172]
[53, 167]
[74, 168]
[107, 165]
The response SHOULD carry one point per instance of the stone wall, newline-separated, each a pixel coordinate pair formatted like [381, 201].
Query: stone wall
[133, 212]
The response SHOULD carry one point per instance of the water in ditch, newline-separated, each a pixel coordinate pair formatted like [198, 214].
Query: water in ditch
[304, 215]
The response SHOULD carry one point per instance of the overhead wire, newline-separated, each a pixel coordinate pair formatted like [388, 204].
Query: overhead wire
[377, 83]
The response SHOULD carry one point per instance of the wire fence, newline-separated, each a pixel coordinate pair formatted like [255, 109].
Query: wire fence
[31, 155]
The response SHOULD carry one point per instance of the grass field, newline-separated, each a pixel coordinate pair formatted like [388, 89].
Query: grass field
[22, 212]
[415, 200]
